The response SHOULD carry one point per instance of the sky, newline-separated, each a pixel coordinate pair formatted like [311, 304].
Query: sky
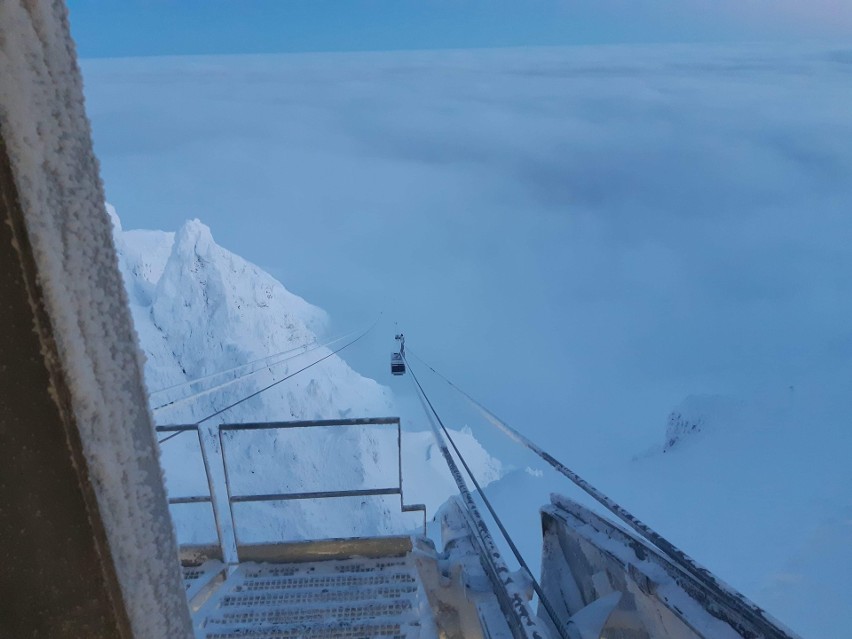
[167, 27]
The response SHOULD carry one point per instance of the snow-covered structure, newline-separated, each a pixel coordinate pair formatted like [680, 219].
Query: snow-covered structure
[89, 549]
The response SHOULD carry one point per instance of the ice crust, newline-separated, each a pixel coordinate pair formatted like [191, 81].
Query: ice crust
[49, 142]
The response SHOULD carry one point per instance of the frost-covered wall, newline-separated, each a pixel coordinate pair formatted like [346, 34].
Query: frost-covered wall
[48, 139]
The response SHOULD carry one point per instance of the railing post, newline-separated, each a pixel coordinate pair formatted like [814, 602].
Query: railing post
[214, 466]
[399, 460]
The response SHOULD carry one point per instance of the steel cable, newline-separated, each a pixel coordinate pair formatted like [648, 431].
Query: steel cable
[191, 382]
[551, 612]
[283, 379]
[676, 556]
[213, 389]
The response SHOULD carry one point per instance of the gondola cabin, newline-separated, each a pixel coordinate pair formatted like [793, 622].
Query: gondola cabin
[397, 364]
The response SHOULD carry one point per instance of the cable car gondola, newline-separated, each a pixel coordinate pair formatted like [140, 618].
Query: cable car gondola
[397, 364]
[397, 361]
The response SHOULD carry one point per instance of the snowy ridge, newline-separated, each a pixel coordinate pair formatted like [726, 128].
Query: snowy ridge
[200, 309]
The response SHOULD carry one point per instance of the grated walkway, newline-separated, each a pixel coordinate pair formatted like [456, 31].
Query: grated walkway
[352, 598]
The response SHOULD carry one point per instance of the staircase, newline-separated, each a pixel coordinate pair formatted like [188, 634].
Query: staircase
[359, 597]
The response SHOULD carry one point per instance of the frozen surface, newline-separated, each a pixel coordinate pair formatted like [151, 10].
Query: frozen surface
[48, 139]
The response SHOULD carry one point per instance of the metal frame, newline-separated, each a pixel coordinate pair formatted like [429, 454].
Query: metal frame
[232, 499]
[227, 546]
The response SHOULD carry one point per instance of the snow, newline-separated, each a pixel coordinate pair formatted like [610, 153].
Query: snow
[767, 481]
[426, 478]
[48, 139]
[199, 309]
[733, 482]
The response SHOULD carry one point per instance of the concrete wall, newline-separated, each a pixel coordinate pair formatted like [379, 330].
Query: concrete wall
[586, 559]
[86, 541]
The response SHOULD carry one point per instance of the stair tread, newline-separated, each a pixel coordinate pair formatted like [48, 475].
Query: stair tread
[346, 599]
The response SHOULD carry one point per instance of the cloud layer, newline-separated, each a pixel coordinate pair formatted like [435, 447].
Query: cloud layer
[633, 222]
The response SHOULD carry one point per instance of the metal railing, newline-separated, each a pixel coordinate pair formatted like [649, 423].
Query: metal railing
[225, 519]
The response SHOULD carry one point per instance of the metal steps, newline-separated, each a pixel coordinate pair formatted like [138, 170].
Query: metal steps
[350, 598]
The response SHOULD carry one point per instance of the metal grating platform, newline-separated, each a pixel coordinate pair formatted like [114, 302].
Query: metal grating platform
[349, 598]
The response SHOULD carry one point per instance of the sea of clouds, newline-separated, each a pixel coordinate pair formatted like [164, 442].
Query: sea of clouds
[593, 223]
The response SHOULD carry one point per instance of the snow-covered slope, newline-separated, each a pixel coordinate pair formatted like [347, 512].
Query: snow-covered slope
[763, 486]
[756, 488]
[200, 309]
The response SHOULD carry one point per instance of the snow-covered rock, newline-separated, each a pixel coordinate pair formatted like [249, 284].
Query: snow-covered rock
[200, 309]
[697, 413]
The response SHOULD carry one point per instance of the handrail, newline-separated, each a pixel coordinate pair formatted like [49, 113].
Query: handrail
[313, 423]
[525, 622]
[283, 496]
[323, 494]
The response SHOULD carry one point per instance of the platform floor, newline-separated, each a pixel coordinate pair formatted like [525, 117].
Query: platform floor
[382, 598]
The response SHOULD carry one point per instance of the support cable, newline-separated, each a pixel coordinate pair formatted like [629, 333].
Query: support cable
[471, 505]
[679, 558]
[172, 436]
[269, 367]
[192, 382]
[266, 388]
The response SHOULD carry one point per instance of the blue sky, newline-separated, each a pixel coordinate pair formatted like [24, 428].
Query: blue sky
[168, 27]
